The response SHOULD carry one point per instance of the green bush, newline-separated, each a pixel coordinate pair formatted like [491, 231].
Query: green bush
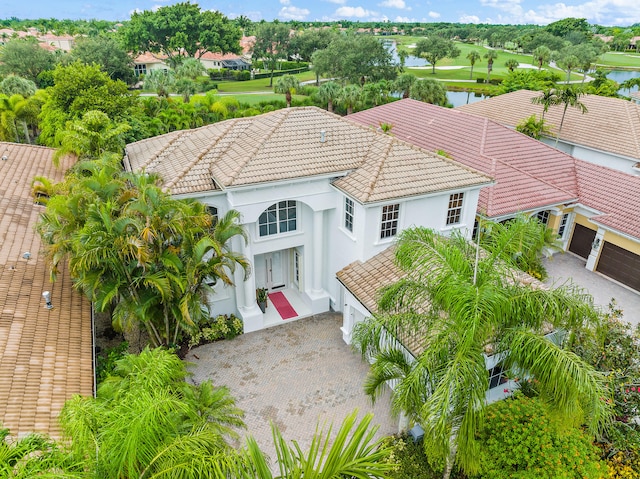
[106, 361]
[521, 438]
[222, 326]
[409, 460]
[480, 80]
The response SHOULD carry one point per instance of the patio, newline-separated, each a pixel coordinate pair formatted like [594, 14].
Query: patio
[297, 375]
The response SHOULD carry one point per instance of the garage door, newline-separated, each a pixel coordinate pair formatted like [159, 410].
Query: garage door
[581, 240]
[620, 264]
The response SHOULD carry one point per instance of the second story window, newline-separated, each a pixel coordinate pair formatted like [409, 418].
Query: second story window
[454, 212]
[280, 217]
[543, 216]
[348, 214]
[389, 224]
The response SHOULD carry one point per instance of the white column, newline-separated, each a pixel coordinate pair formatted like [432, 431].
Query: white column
[317, 251]
[596, 246]
[248, 286]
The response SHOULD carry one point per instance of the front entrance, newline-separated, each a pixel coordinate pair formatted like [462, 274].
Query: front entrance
[274, 270]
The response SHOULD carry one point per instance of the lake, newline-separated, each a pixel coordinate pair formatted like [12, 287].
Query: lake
[458, 98]
[623, 75]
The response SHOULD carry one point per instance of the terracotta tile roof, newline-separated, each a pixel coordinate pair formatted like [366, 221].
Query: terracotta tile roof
[148, 57]
[288, 144]
[45, 355]
[218, 56]
[364, 280]
[611, 124]
[613, 193]
[528, 174]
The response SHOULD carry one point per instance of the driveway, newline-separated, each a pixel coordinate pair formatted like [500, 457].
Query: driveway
[563, 267]
[295, 376]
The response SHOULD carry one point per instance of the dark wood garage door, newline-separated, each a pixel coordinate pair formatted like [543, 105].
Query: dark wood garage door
[620, 264]
[581, 241]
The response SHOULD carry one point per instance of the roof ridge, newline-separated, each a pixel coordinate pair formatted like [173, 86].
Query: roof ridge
[634, 107]
[383, 155]
[258, 141]
[157, 154]
[206, 150]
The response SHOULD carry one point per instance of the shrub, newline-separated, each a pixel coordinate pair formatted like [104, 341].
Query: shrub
[222, 326]
[479, 80]
[106, 361]
[409, 460]
[520, 438]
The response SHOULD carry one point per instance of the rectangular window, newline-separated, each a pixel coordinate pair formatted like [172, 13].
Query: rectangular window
[496, 376]
[454, 213]
[140, 69]
[389, 225]
[563, 225]
[543, 217]
[348, 214]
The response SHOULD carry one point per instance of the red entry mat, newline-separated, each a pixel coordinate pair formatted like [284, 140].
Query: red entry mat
[282, 305]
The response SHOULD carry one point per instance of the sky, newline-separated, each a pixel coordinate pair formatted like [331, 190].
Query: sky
[540, 12]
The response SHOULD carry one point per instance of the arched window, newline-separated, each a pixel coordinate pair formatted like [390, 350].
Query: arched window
[280, 217]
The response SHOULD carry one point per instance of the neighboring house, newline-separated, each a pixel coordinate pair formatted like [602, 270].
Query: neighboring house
[60, 42]
[46, 355]
[218, 61]
[145, 62]
[608, 134]
[316, 192]
[595, 210]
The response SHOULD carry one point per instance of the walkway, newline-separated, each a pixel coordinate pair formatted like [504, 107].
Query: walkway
[563, 267]
[293, 375]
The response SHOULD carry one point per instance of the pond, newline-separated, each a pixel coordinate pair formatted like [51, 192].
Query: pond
[409, 61]
[623, 75]
[458, 98]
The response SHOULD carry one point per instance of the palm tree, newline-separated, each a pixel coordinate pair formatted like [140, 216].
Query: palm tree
[159, 81]
[473, 57]
[546, 99]
[328, 93]
[569, 97]
[457, 304]
[533, 127]
[491, 55]
[287, 84]
[569, 63]
[147, 421]
[404, 83]
[541, 55]
[512, 64]
[352, 453]
[349, 96]
[429, 91]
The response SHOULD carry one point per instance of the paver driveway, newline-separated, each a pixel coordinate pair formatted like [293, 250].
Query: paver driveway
[294, 375]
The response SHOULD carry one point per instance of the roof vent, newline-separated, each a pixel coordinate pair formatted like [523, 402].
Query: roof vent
[26, 255]
[47, 299]
[322, 136]
[5, 157]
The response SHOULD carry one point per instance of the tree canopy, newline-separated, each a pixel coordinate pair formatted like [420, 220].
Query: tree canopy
[435, 48]
[25, 58]
[180, 30]
[106, 52]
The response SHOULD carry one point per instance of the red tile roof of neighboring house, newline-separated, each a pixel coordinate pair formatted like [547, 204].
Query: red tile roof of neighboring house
[528, 173]
[46, 356]
[47, 46]
[218, 56]
[148, 57]
[247, 43]
[612, 192]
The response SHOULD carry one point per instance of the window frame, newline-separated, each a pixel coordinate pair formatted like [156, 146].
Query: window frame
[278, 219]
[543, 217]
[349, 214]
[389, 221]
[562, 228]
[454, 208]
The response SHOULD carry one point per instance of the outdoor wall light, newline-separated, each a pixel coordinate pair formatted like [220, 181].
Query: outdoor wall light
[596, 244]
[47, 299]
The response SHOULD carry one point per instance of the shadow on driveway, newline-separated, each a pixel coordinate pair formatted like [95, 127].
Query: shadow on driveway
[294, 375]
[563, 267]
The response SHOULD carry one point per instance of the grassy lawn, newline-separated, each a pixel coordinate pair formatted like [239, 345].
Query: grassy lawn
[611, 59]
[261, 84]
[257, 98]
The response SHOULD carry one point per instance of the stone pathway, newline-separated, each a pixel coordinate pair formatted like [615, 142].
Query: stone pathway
[295, 375]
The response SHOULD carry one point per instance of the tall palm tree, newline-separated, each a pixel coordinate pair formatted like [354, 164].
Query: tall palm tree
[569, 97]
[569, 63]
[546, 99]
[287, 84]
[329, 93]
[458, 304]
[350, 95]
[473, 57]
[491, 55]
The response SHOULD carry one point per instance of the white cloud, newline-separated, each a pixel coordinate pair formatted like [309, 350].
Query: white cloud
[469, 19]
[355, 12]
[285, 2]
[400, 19]
[434, 15]
[393, 4]
[339, 2]
[293, 13]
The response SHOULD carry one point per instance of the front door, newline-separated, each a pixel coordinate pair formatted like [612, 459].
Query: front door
[274, 264]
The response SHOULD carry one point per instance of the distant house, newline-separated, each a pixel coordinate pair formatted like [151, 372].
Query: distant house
[229, 61]
[595, 210]
[46, 355]
[316, 192]
[607, 135]
[145, 62]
